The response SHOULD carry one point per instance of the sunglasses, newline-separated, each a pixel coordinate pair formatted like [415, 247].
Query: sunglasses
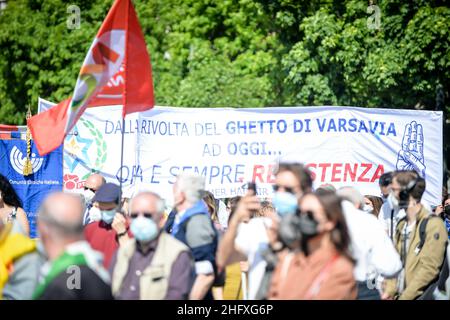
[308, 213]
[86, 188]
[134, 215]
[288, 189]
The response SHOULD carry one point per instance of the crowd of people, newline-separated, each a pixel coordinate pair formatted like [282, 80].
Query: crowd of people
[302, 243]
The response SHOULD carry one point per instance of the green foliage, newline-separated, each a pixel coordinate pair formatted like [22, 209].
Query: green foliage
[239, 53]
[339, 60]
[39, 55]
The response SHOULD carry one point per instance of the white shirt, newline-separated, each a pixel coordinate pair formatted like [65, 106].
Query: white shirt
[252, 240]
[223, 215]
[385, 218]
[372, 249]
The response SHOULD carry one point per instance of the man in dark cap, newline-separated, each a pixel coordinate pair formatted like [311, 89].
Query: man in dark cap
[104, 235]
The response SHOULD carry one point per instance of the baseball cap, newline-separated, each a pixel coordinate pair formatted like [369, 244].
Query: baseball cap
[109, 192]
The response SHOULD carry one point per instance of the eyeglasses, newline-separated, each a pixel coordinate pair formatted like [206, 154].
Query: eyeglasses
[87, 188]
[134, 215]
[277, 187]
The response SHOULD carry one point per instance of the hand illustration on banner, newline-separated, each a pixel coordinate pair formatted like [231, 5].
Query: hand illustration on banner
[410, 157]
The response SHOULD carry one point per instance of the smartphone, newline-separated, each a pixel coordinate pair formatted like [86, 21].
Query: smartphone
[252, 186]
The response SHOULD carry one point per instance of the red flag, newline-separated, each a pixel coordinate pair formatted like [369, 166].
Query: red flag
[138, 75]
[47, 128]
[116, 70]
[112, 93]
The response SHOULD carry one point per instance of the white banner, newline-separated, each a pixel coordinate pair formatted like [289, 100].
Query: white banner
[343, 146]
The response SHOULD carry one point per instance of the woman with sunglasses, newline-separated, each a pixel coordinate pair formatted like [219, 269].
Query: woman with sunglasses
[321, 267]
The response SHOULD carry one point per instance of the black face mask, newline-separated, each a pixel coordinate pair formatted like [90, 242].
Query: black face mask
[308, 225]
[289, 231]
[308, 229]
[447, 210]
[296, 229]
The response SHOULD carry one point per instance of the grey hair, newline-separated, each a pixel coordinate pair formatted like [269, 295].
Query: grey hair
[160, 203]
[193, 186]
[352, 195]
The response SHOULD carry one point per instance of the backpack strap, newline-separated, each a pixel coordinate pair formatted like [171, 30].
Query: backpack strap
[423, 232]
[398, 230]
[392, 224]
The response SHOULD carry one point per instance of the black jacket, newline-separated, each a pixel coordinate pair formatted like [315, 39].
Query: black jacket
[91, 287]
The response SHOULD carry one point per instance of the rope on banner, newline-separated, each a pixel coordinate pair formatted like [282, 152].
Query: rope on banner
[28, 168]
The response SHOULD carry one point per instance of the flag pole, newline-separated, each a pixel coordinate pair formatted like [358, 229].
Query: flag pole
[121, 163]
[124, 100]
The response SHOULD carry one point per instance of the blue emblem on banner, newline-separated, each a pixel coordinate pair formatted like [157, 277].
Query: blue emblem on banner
[46, 177]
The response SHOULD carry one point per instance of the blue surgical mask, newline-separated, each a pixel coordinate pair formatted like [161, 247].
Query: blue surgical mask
[144, 229]
[285, 203]
[108, 216]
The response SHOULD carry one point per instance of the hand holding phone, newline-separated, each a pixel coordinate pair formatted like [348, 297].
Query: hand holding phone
[252, 186]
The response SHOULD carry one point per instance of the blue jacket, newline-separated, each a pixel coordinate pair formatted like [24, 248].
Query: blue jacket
[206, 250]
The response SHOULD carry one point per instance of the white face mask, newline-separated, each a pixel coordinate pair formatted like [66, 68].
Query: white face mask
[88, 195]
[393, 201]
[368, 208]
[95, 214]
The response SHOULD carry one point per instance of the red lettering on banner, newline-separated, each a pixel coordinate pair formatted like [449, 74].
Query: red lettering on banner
[339, 172]
[258, 171]
[348, 170]
[324, 167]
[270, 175]
[335, 171]
[361, 178]
[378, 173]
